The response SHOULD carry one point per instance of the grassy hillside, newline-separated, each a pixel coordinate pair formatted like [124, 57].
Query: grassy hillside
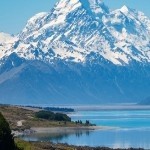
[22, 118]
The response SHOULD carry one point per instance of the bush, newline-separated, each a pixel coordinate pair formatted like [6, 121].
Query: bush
[52, 116]
[45, 115]
[62, 117]
[6, 138]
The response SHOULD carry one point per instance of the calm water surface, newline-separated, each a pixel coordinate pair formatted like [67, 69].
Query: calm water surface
[132, 130]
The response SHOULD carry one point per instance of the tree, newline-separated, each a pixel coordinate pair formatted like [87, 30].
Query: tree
[6, 138]
[87, 122]
[80, 122]
[45, 115]
[62, 117]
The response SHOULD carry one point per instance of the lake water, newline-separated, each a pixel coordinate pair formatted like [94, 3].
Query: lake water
[132, 129]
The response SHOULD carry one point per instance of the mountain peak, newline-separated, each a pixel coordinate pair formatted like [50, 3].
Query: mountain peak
[125, 9]
[95, 6]
[67, 5]
[63, 8]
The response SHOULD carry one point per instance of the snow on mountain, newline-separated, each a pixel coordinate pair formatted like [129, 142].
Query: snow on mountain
[4, 37]
[74, 29]
[131, 33]
[6, 41]
[88, 54]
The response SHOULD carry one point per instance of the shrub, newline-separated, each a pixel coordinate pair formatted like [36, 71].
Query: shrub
[52, 116]
[62, 117]
[45, 115]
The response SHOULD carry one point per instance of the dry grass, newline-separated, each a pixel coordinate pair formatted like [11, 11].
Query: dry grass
[51, 146]
[22, 145]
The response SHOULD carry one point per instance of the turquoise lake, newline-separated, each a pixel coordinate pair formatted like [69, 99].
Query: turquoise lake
[131, 129]
[122, 119]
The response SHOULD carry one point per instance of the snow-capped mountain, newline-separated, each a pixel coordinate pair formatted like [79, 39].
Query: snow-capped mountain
[6, 40]
[74, 29]
[79, 50]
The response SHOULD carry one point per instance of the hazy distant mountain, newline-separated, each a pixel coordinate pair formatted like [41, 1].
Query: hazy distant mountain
[6, 41]
[79, 52]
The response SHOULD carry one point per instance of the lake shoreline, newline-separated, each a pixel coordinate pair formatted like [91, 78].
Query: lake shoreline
[26, 126]
[63, 129]
[52, 130]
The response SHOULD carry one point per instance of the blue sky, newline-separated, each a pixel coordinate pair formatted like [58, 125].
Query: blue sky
[15, 13]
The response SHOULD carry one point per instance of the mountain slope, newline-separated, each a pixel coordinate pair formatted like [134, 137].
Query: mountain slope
[79, 52]
[34, 82]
